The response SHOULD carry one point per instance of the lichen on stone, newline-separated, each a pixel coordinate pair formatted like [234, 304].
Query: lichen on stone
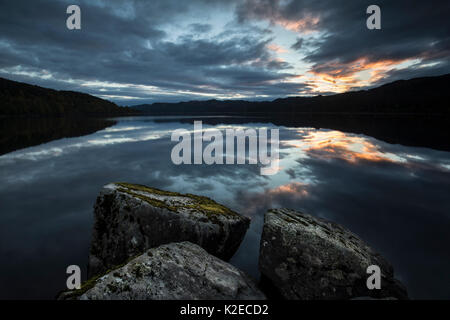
[90, 283]
[139, 187]
[151, 201]
[199, 203]
[177, 270]
[129, 219]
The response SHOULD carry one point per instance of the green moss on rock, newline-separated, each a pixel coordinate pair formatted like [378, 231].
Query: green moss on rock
[200, 203]
[90, 283]
[151, 201]
[139, 187]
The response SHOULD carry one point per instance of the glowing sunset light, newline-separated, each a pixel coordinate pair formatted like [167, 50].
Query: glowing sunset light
[250, 49]
[335, 76]
[306, 25]
[339, 145]
[297, 188]
[276, 48]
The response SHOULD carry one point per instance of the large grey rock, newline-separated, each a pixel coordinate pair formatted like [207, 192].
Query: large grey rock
[172, 271]
[132, 218]
[302, 257]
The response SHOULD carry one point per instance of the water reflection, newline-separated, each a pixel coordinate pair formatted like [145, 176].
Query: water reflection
[394, 197]
[336, 145]
[17, 133]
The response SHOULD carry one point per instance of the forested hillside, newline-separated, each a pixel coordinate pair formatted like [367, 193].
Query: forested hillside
[427, 95]
[21, 99]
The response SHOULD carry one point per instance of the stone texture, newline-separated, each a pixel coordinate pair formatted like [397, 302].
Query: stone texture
[302, 257]
[132, 218]
[172, 271]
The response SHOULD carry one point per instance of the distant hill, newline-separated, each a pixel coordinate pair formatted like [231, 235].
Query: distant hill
[21, 99]
[428, 95]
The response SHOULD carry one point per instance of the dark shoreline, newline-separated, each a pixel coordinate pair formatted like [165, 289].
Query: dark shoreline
[416, 130]
[427, 131]
[22, 132]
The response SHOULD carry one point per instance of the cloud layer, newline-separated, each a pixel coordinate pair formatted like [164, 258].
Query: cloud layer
[136, 52]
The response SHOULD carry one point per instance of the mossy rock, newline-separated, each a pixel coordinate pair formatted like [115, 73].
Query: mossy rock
[180, 270]
[131, 218]
[200, 203]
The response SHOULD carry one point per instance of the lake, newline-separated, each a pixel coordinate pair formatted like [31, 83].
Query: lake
[394, 197]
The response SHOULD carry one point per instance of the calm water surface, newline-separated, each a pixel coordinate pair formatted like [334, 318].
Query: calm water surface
[394, 197]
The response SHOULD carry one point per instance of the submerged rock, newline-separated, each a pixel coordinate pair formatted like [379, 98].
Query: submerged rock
[302, 257]
[132, 218]
[172, 271]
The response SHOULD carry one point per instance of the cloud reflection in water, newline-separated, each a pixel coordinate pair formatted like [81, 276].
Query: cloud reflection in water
[394, 197]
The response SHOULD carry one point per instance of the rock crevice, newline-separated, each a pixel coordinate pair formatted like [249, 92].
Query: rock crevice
[131, 218]
[181, 271]
[153, 244]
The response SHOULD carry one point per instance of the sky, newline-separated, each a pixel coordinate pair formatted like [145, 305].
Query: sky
[135, 52]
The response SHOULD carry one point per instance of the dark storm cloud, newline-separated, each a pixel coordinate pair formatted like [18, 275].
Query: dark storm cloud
[298, 44]
[200, 27]
[410, 29]
[177, 54]
[129, 42]
[207, 52]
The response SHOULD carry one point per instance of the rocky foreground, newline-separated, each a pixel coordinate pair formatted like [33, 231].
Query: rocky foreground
[302, 257]
[154, 244]
[132, 218]
[176, 271]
